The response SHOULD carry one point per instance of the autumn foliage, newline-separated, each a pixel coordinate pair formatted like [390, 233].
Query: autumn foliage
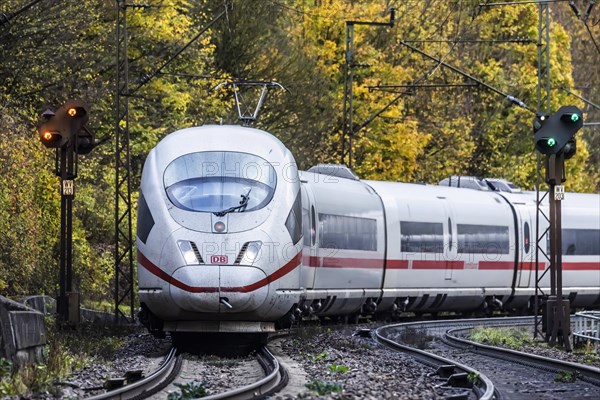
[60, 50]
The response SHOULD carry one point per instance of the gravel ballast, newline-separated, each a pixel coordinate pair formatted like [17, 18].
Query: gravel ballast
[324, 363]
[361, 368]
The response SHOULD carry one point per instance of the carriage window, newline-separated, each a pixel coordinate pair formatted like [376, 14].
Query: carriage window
[421, 237]
[581, 242]
[313, 226]
[293, 223]
[483, 239]
[526, 238]
[350, 233]
[305, 226]
[450, 244]
[220, 181]
[145, 219]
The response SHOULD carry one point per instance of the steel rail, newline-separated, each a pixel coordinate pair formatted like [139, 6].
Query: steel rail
[150, 385]
[482, 386]
[586, 373]
[275, 377]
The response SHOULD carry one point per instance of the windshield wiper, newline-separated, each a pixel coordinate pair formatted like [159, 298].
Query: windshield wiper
[240, 208]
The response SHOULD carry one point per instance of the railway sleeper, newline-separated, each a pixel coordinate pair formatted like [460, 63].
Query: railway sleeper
[452, 380]
[445, 371]
[134, 375]
[460, 379]
[114, 383]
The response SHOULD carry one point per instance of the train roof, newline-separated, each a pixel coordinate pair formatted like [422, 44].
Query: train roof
[585, 202]
[221, 138]
[416, 191]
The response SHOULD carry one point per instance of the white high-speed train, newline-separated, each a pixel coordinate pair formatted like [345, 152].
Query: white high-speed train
[231, 237]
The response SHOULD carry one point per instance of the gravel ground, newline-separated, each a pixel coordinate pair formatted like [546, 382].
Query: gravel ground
[141, 351]
[214, 374]
[577, 356]
[360, 368]
[328, 358]
[321, 355]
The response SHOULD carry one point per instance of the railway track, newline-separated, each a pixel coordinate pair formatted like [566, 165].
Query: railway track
[273, 378]
[150, 385]
[458, 379]
[487, 372]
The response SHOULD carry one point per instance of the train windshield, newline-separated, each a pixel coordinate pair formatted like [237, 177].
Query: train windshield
[220, 182]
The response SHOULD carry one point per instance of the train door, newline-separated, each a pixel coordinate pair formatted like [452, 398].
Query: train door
[526, 245]
[309, 232]
[449, 252]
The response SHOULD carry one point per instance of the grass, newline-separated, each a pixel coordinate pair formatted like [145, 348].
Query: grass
[338, 368]
[512, 338]
[515, 338]
[66, 351]
[565, 377]
[473, 377]
[323, 388]
[318, 357]
[587, 353]
[188, 391]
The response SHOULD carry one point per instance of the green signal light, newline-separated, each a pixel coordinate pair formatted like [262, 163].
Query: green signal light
[551, 142]
[575, 117]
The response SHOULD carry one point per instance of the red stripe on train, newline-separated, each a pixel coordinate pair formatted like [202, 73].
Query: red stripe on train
[580, 266]
[338, 262]
[496, 265]
[369, 263]
[567, 266]
[151, 267]
[397, 264]
[438, 264]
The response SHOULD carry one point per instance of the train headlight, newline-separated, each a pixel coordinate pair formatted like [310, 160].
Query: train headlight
[251, 253]
[187, 251]
[220, 227]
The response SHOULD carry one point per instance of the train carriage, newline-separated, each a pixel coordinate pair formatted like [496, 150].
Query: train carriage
[233, 238]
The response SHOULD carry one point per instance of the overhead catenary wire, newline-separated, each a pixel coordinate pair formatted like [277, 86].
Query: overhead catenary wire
[592, 36]
[417, 83]
[399, 96]
[512, 99]
[512, 3]
[589, 9]
[584, 19]
[5, 18]
[586, 101]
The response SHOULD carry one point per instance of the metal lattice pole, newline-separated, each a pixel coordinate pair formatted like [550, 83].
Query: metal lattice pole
[543, 107]
[348, 95]
[124, 240]
[124, 279]
[348, 112]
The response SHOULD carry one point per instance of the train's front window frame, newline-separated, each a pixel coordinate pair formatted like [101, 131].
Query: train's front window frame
[214, 181]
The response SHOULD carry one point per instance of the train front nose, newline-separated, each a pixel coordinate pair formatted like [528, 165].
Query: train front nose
[220, 199]
[219, 288]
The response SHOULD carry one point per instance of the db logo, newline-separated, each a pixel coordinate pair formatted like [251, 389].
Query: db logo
[219, 260]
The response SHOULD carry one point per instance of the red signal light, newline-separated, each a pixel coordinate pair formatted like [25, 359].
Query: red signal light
[67, 125]
[76, 112]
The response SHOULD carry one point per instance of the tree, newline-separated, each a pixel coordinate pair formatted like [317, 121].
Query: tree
[59, 50]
